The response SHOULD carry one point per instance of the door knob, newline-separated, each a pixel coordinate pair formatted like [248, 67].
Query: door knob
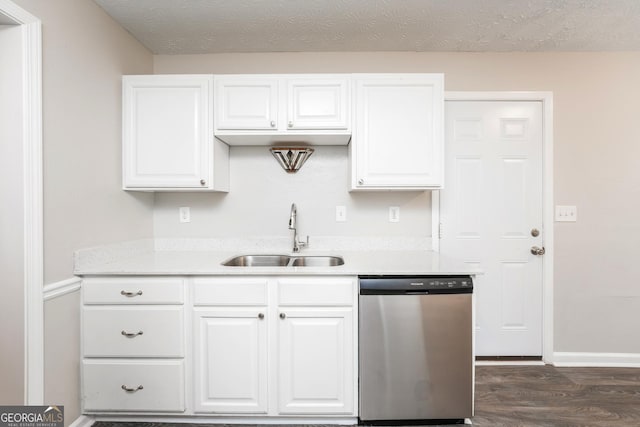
[537, 251]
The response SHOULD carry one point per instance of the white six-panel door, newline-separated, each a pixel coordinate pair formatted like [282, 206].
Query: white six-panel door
[491, 203]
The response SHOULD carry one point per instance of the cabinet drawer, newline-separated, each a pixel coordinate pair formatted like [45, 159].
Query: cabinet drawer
[315, 292]
[229, 291]
[133, 332]
[157, 385]
[133, 290]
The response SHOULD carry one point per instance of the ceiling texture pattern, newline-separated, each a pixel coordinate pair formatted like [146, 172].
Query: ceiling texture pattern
[215, 26]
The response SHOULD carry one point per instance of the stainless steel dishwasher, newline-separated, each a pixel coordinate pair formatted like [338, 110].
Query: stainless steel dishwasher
[415, 339]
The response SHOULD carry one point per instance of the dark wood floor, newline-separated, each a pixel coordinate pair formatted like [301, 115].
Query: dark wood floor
[541, 396]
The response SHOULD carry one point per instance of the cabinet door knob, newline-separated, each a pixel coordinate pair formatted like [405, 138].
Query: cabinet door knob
[273, 124]
[131, 294]
[260, 316]
[290, 124]
[282, 315]
[361, 181]
[131, 389]
[203, 182]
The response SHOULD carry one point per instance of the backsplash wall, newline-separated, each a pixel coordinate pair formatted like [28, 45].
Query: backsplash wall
[261, 193]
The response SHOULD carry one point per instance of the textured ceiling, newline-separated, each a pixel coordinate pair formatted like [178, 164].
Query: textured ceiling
[210, 26]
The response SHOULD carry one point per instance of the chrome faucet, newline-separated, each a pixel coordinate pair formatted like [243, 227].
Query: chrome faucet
[292, 226]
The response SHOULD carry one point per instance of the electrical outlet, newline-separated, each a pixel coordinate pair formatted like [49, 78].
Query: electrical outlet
[184, 214]
[566, 213]
[394, 214]
[341, 213]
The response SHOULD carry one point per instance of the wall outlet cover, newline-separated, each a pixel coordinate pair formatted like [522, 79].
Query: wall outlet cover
[394, 214]
[184, 214]
[341, 213]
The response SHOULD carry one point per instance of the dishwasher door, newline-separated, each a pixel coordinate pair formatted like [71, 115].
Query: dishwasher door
[416, 357]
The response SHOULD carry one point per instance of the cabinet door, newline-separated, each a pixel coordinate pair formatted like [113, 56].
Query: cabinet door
[230, 360]
[167, 131]
[316, 367]
[397, 142]
[318, 103]
[246, 103]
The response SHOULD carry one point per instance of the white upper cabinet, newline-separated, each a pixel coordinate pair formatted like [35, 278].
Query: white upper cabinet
[397, 141]
[168, 141]
[247, 103]
[263, 109]
[316, 103]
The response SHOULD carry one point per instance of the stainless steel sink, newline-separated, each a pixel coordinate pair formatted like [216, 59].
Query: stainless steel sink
[258, 261]
[283, 261]
[317, 261]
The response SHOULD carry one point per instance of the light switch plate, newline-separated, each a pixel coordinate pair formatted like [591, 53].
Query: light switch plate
[184, 214]
[566, 213]
[341, 213]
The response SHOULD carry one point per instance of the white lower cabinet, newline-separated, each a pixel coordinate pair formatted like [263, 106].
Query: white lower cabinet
[220, 346]
[230, 360]
[133, 385]
[294, 355]
[133, 345]
[315, 370]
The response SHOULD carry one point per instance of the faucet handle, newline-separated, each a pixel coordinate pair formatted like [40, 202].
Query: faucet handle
[305, 243]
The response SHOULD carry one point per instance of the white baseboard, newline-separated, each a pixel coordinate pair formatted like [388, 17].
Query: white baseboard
[350, 421]
[580, 359]
[63, 287]
[83, 421]
[509, 363]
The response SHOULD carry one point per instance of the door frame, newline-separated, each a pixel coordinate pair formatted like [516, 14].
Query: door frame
[33, 204]
[546, 98]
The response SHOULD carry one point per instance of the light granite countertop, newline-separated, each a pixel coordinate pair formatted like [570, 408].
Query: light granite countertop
[205, 257]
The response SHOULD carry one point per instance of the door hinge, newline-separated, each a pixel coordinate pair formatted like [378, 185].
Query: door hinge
[439, 230]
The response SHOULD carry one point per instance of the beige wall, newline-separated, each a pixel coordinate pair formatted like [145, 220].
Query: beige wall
[11, 219]
[597, 301]
[62, 349]
[85, 53]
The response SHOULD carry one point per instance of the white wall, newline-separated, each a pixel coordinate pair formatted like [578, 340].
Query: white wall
[11, 218]
[597, 300]
[262, 192]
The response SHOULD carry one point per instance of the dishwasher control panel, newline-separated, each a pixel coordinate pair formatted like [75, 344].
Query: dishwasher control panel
[415, 284]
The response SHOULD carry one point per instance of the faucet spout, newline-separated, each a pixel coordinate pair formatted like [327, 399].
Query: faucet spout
[292, 226]
[292, 216]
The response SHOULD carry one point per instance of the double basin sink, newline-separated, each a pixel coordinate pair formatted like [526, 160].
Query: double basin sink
[283, 261]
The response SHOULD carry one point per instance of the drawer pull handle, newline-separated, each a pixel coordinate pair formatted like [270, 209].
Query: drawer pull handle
[131, 334]
[130, 389]
[260, 316]
[131, 294]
